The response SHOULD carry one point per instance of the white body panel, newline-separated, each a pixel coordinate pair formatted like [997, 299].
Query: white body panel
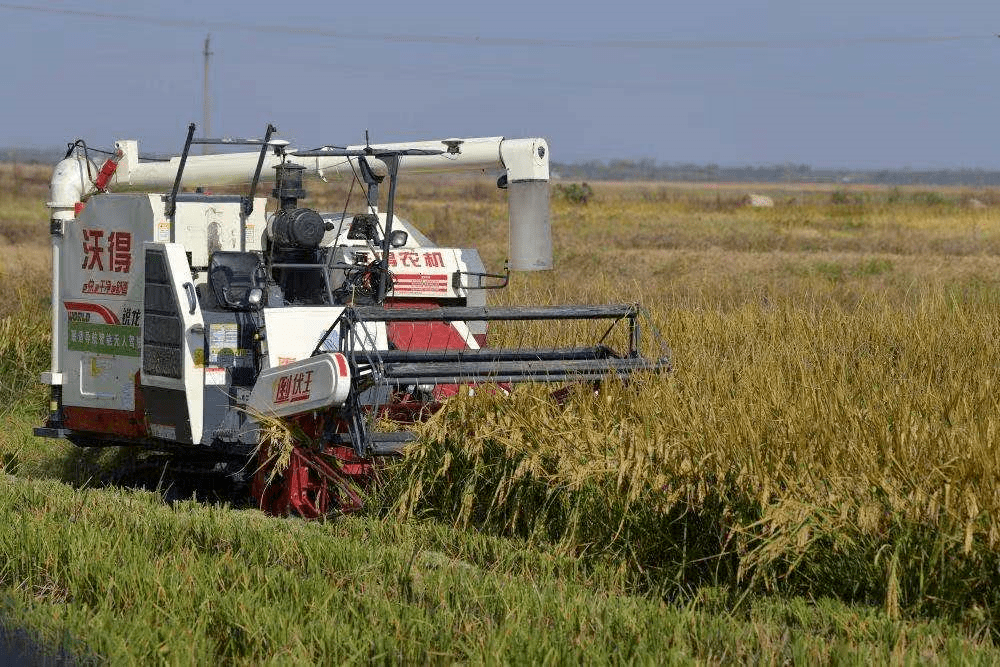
[294, 332]
[192, 380]
[100, 301]
[203, 228]
[424, 273]
[419, 272]
[100, 291]
[312, 384]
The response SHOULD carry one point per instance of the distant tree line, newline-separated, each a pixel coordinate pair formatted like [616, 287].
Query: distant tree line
[650, 170]
[32, 155]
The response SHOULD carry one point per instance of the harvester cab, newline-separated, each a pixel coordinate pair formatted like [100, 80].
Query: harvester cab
[191, 323]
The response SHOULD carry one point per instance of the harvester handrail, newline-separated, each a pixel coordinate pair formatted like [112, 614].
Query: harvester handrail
[460, 313]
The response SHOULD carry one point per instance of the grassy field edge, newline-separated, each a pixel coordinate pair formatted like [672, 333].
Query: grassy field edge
[194, 583]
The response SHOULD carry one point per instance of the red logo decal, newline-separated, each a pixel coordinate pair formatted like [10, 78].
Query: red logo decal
[119, 248]
[294, 387]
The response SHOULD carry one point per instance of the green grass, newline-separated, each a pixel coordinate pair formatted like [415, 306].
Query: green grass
[193, 583]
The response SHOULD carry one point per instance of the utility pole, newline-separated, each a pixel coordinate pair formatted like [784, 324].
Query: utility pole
[206, 113]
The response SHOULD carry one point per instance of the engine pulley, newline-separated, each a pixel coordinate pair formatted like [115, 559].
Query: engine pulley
[298, 228]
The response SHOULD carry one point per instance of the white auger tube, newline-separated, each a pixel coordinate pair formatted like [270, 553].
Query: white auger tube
[525, 161]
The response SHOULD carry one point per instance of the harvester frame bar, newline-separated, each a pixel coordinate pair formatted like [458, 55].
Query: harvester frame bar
[529, 313]
[397, 369]
[494, 355]
[511, 371]
[461, 313]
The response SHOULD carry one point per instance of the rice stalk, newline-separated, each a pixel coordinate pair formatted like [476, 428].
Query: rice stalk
[790, 445]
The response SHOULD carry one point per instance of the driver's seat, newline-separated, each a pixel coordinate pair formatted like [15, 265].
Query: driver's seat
[232, 275]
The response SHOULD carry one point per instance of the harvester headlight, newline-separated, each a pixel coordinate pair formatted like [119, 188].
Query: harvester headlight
[255, 297]
[398, 238]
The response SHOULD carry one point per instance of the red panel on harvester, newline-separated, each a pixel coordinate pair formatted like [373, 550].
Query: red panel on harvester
[419, 336]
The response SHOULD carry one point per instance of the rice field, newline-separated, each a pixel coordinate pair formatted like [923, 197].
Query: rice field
[816, 480]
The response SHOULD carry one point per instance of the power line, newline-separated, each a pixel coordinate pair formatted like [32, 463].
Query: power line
[461, 40]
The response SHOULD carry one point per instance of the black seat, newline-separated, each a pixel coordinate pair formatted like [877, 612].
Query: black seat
[233, 275]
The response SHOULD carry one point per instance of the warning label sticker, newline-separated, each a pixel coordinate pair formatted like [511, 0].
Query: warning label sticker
[420, 283]
[163, 231]
[222, 341]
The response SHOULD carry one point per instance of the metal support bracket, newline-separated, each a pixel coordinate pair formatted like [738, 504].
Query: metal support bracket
[456, 279]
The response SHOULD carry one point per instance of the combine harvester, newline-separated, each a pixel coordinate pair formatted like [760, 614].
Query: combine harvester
[182, 321]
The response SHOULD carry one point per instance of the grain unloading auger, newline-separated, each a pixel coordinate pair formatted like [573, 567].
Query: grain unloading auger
[194, 323]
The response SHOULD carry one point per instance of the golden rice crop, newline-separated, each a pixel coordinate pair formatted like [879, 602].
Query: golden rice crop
[823, 449]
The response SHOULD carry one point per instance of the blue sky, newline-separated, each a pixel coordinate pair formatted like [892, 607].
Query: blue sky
[846, 84]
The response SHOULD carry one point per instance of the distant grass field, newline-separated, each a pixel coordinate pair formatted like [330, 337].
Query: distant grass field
[815, 481]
